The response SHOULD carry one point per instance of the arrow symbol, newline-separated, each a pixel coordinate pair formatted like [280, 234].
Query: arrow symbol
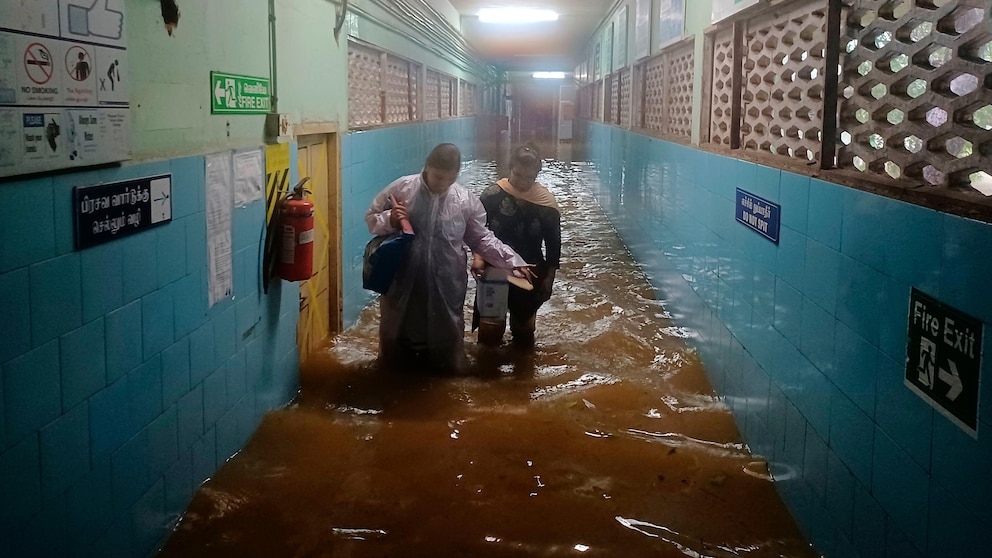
[952, 379]
[220, 94]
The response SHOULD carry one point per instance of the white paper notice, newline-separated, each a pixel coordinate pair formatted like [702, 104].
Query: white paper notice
[219, 244]
[249, 177]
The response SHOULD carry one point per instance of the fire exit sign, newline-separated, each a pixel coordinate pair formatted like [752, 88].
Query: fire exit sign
[237, 94]
[944, 357]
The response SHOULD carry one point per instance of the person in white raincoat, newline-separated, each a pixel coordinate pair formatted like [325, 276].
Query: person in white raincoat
[422, 313]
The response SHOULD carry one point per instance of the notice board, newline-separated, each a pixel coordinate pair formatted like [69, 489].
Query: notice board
[64, 95]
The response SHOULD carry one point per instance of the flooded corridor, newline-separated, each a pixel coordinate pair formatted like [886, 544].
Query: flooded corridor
[605, 439]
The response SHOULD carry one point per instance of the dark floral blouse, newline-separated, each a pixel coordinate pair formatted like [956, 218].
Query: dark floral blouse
[524, 226]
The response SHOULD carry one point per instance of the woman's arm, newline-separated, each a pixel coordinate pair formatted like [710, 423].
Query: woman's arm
[482, 241]
[378, 217]
[551, 230]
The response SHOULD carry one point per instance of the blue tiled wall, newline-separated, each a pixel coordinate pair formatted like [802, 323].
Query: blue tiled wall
[806, 340]
[121, 390]
[369, 162]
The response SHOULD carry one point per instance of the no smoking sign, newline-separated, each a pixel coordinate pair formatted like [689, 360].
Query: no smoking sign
[38, 63]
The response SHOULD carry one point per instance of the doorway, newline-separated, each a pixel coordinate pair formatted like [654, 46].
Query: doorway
[536, 114]
[320, 296]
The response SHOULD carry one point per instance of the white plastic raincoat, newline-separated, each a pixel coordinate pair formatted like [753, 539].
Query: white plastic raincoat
[424, 307]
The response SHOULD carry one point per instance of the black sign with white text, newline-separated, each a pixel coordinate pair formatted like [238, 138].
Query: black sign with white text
[759, 214]
[109, 211]
[944, 357]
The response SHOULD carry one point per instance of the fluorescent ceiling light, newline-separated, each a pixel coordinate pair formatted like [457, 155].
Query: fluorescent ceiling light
[549, 75]
[515, 15]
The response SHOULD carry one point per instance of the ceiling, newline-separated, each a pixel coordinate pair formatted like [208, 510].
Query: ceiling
[550, 46]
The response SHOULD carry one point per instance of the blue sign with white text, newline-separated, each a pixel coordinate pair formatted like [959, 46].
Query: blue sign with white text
[759, 214]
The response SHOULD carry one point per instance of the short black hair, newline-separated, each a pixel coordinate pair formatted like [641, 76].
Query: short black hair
[446, 157]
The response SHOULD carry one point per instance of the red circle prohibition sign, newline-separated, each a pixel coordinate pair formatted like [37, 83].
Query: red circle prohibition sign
[39, 62]
[78, 67]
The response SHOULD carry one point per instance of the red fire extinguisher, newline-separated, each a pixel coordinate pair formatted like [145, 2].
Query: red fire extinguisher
[296, 227]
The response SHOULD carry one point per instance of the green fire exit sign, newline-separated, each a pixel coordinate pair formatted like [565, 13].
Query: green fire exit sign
[237, 94]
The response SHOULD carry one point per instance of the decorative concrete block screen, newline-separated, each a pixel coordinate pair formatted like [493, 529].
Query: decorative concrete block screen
[401, 89]
[467, 103]
[916, 92]
[382, 88]
[909, 104]
[585, 102]
[439, 97]
[625, 100]
[783, 78]
[666, 90]
[613, 99]
[768, 82]
[597, 101]
[432, 98]
[654, 96]
[446, 95]
[721, 101]
[364, 78]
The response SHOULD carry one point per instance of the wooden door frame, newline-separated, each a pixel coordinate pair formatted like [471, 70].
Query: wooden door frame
[315, 134]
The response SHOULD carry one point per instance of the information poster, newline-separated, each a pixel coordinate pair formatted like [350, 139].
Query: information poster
[220, 204]
[248, 176]
[64, 96]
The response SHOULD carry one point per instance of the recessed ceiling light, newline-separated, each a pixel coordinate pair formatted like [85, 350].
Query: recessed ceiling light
[515, 15]
[548, 75]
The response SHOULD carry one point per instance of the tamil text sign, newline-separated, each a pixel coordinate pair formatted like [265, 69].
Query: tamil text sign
[759, 214]
[105, 212]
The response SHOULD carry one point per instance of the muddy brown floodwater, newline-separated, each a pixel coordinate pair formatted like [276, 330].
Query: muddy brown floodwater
[605, 439]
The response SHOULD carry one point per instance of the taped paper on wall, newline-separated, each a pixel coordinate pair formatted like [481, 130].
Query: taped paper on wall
[248, 177]
[219, 244]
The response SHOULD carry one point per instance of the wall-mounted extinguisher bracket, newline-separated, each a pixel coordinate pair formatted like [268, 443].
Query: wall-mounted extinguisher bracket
[296, 234]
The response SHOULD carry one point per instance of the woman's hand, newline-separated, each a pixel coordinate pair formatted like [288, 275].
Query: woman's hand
[397, 213]
[525, 271]
[544, 288]
[478, 266]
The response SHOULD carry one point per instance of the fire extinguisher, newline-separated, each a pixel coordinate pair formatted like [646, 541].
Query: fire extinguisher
[296, 226]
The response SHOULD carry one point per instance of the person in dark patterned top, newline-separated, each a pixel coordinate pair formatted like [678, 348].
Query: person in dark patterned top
[524, 215]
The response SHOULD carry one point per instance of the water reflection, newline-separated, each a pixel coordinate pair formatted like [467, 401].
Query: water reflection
[605, 439]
